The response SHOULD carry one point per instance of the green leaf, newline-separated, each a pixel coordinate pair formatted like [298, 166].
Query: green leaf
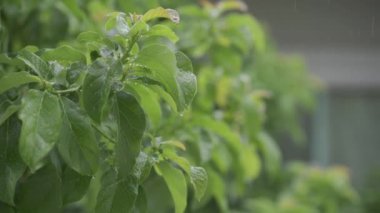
[89, 36]
[180, 161]
[97, 86]
[64, 53]
[78, 144]
[162, 62]
[74, 185]
[271, 153]
[116, 195]
[173, 143]
[41, 124]
[163, 30]
[131, 126]
[8, 111]
[217, 187]
[176, 182]
[198, 178]
[186, 79]
[220, 128]
[15, 79]
[250, 162]
[116, 24]
[161, 13]
[11, 164]
[149, 101]
[165, 96]
[39, 66]
[41, 192]
[141, 205]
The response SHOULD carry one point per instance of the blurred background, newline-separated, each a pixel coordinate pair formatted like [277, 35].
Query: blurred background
[340, 42]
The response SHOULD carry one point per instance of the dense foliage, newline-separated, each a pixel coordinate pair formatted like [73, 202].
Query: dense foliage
[116, 119]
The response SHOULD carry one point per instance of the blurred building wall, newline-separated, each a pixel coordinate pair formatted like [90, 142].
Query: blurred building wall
[340, 42]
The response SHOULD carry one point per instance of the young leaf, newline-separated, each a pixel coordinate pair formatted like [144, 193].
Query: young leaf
[15, 79]
[74, 185]
[116, 195]
[41, 192]
[198, 178]
[39, 66]
[131, 126]
[175, 180]
[161, 13]
[41, 124]
[11, 164]
[97, 86]
[77, 144]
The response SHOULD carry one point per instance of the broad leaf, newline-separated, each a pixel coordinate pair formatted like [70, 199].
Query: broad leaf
[220, 128]
[15, 79]
[116, 195]
[176, 182]
[141, 205]
[162, 63]
[161, 13]
[180, 161]
[78, 144]
[74, 185]
[186, 80]
[217, 188]
[97, 86]
[7, 110]
[41, 192]
[149, 101]
[38, 65]
[180, 83]
[271, 153]
[250, 162]
[198, 178]
[11, 164]
[41, 124]
[163, 30]
[131, 126]
[64, 53]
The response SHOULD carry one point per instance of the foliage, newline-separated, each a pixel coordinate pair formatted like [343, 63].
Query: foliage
[109, 120]
[65, 109]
